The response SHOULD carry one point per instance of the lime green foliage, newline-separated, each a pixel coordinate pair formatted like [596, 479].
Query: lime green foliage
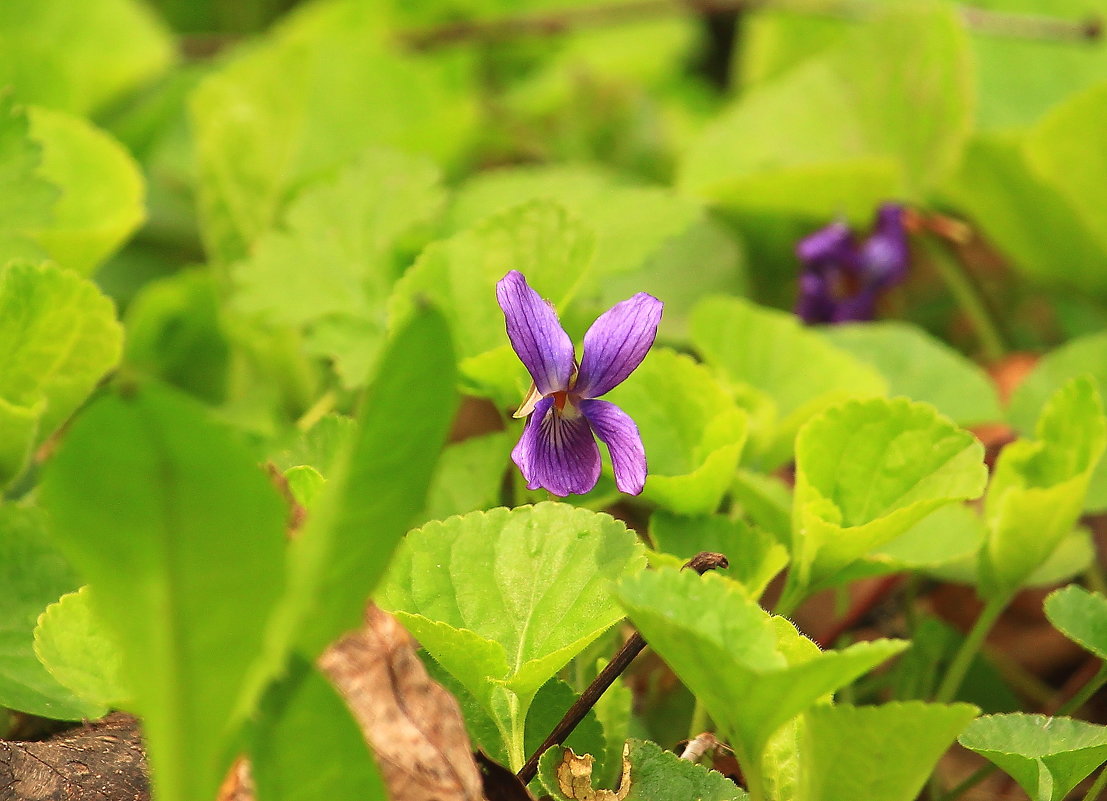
[1081, 616]
[692, 430]
[58, 337]
[755, 557]
[541, 239]
[1038, 487]
[305, 483]
[922, 368]
[654, 775]
[752, 672]
[325, 85]
[330, 268]
[333, 762]
[77, 649]
[26, 197]
[1082, 356]
[185, 558]
[1047, 756]
[337, 560]
[504, 599]
[879, 753]
[102, 200]
[469, 476]
[32, 575]
[884, 113]
[868, 470]
[773, 363]
[549, 706]
[78, 57]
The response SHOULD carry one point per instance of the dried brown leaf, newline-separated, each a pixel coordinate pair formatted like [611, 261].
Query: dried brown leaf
[413, 724]
[574, 778]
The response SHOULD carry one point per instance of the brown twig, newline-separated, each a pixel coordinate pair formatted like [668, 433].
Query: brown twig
[701, 563]
[1022, 26]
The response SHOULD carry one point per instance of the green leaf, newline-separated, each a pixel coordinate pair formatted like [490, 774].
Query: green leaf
[102, 199]
[59, 336]
[185, 569]
[770, 352]
[349, 228]
[752, 672]
[755, 557]
[504, 599]
[651, 774]
[886, 111]
[469, 476]
[345, 547]
[879, 753]
[1047, 756]
[32, 575]
[868, 470]
[1038, 487]
[79, 57]
[949, 534]
[922, 368]
[631, 222]
[1081, 615]
[322, 87]
[26, 197]
[305, 484]
[540, 239]
[1086, 355]
[767, 501]
[334, 762]
[692, 431]
[77, 649]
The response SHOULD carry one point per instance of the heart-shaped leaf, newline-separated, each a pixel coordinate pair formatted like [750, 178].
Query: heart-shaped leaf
[1047, 756]
[1081, 615]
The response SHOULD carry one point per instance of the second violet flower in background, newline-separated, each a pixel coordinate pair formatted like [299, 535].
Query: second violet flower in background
[557, 450]
[843, 277]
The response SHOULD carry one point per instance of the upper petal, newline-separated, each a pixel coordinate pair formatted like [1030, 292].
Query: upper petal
[831, 244]
[623, 441]
[535, 334]
[557, 453]
[616, 344]
[886, 254]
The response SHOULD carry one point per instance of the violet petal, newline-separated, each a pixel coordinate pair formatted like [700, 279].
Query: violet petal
[885, 256]
[535, 333]
[619, 432]
[832, 243]
[557, 453]
[616, 344]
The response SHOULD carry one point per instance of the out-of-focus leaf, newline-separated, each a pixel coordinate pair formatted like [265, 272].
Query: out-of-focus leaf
[32, 575]
[1081, 616]
[330, 269]
[469, 476]
[181, 536]
[58, 337]
[80, 56]
[922, 368]
[102, 200]
[26, 197]
[326, 84]
[1046, 756]
[1038, 488]
[792, 367]
[692, 430]
[75, 646]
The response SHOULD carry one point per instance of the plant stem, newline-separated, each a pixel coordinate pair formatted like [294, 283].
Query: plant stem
[973, 779]
[955, 674]
[1097, 786]
[700, 720]
[1085, 693]
[971, 300]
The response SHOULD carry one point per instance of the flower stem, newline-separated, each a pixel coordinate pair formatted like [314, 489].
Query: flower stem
[971, 300]
[1085, 693]
[973, 779]
[955, 674]
[700, 720]
[1097, 787]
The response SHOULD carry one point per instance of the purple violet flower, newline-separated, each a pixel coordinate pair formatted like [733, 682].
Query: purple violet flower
[842, 277]
[557, 450]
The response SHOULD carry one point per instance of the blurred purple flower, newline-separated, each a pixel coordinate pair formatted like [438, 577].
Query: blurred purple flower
[843, 277]
[557, 450]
